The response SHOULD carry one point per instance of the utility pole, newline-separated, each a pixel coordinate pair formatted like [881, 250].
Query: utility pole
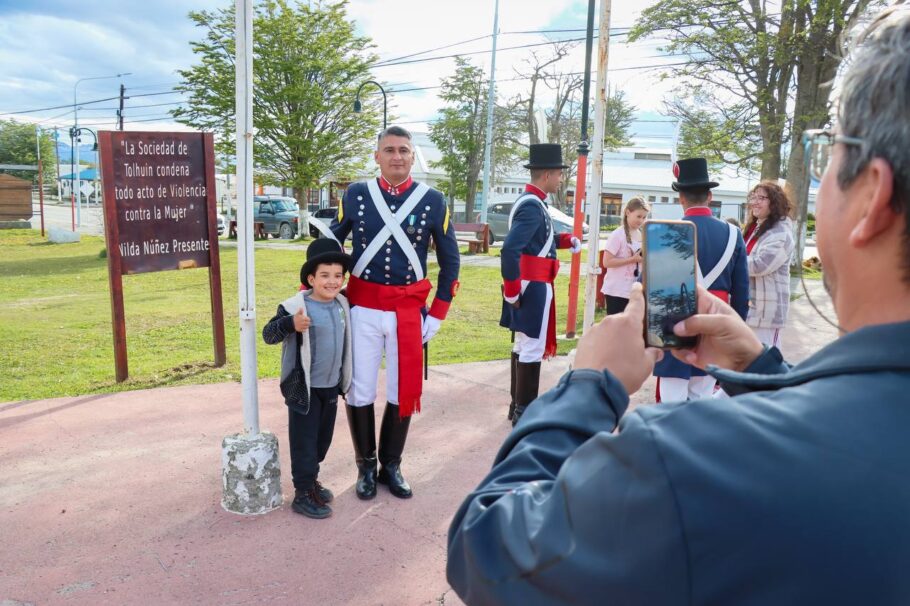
[580, 182]
[40, 176]
[488, 140]
[120, 111]
[597, 166]
[57, 156]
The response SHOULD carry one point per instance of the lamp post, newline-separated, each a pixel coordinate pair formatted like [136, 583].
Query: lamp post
[76, 141]
[358, 106]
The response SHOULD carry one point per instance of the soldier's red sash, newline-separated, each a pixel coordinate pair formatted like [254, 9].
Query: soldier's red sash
[543, 269]
[406, 302]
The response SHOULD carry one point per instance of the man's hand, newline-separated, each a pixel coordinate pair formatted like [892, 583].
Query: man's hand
[301, 321]
[723, 338]
[430, 327]
[576, 245]
[617, 344]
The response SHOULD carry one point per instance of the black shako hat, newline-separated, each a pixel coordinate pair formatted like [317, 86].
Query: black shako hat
[692, 174]
[324, 250]
[546, 155]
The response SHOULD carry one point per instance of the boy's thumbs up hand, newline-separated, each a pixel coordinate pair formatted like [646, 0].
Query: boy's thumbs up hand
[301, 321]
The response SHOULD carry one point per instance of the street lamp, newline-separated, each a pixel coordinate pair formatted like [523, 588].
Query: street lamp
[75, 162]
[358, 107]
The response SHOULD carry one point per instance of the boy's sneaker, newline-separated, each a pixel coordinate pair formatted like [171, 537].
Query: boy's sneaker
[308, 503]
[325, 495]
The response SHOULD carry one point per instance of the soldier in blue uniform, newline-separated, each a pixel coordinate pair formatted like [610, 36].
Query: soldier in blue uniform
[529, 267]
[391, 220]
[721, 269]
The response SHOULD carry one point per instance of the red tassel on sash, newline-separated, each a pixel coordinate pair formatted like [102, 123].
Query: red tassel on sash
[406, 302]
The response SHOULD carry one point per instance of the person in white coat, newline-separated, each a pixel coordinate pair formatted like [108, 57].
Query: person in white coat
[768, 234]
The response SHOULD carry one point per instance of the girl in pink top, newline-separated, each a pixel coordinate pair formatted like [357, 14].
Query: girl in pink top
[622, 255]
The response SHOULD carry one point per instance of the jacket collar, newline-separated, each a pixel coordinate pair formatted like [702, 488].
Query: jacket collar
[533, 189]
[869, 349]
[698, 211]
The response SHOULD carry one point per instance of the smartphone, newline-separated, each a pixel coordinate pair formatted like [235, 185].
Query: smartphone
[669, 251]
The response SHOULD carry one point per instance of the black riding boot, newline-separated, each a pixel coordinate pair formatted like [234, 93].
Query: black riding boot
[362, 422]
[527, 385]
[512, 372]
[392, 435]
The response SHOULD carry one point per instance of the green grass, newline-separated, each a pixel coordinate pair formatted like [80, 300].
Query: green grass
[55, 325]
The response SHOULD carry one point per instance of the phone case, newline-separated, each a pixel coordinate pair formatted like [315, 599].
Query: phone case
[688, 341]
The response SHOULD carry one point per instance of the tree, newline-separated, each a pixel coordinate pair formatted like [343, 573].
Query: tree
[460, 132]
[818, 41]
[18, 145]
[710, 135]
[563, 116]
[740, 61]
[308, 63]
[620, 114]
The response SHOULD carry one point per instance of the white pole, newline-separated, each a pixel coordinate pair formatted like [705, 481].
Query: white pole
[246, 268]
[78, 166]
[597, 169]
[488, 145]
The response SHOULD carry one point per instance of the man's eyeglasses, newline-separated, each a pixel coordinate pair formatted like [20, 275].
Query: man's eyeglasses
[818, 145]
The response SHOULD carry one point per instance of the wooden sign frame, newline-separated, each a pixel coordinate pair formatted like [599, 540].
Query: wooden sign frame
[106, 142]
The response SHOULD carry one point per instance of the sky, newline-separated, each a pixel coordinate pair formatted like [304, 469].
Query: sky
[47, 45]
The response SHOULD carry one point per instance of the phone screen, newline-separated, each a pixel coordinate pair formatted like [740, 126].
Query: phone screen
[669, 281]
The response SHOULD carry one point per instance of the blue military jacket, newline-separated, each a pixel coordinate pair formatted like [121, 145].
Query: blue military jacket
[713, 235]
[357, 217]
[528, 234]
[795, 492]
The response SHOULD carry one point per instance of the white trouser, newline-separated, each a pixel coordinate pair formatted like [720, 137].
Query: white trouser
[528, 348]
[374, 331]
[768, 336]
[678, 390]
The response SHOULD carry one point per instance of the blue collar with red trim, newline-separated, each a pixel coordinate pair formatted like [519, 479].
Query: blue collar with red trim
[395, 190]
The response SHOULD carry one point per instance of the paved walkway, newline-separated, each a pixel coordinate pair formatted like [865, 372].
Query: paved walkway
[115, 499]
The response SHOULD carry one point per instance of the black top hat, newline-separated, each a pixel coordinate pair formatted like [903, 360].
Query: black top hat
[546, 155]
[324, 250]
[692, 174]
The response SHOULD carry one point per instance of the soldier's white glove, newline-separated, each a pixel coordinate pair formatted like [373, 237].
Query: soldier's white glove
[576, 245]
[430, 327]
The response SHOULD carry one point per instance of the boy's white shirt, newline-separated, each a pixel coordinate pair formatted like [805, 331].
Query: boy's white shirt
[296, 303]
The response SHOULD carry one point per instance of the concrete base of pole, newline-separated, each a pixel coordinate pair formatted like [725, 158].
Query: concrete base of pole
[250, 474]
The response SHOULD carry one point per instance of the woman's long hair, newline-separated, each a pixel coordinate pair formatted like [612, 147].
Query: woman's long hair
[779, 206]
[634, 204]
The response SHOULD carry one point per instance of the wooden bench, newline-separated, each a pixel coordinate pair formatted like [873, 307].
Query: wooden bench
[258, 230]
[477, 235]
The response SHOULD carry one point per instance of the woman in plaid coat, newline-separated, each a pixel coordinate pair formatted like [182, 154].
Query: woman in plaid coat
[768, 234]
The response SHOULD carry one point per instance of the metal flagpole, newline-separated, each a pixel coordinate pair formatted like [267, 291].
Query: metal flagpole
[488, 141]
[597, 168]
[250, 474]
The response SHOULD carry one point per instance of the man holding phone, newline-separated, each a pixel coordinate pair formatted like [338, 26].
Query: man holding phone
[723, 271]
[796, 490]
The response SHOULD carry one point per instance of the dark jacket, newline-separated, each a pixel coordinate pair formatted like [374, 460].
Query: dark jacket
[796, 491]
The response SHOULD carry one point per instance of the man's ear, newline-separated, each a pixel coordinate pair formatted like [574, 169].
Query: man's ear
[376, 156]
[873, 189]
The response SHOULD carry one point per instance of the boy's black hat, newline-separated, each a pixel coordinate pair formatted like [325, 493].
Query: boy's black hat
[545, 155]
[692, 174]
[324, 250]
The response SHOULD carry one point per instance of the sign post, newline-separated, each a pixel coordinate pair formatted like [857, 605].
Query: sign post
[159, 214]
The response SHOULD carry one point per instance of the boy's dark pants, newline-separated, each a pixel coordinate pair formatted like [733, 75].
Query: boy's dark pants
[310, 435]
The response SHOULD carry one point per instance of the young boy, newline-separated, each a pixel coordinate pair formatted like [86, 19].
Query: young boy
[315, 336]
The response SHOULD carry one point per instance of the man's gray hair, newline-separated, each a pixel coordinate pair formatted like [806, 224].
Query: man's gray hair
[394, 131]
[875, 107]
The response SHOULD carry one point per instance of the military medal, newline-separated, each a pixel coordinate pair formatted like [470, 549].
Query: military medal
[411, 220]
